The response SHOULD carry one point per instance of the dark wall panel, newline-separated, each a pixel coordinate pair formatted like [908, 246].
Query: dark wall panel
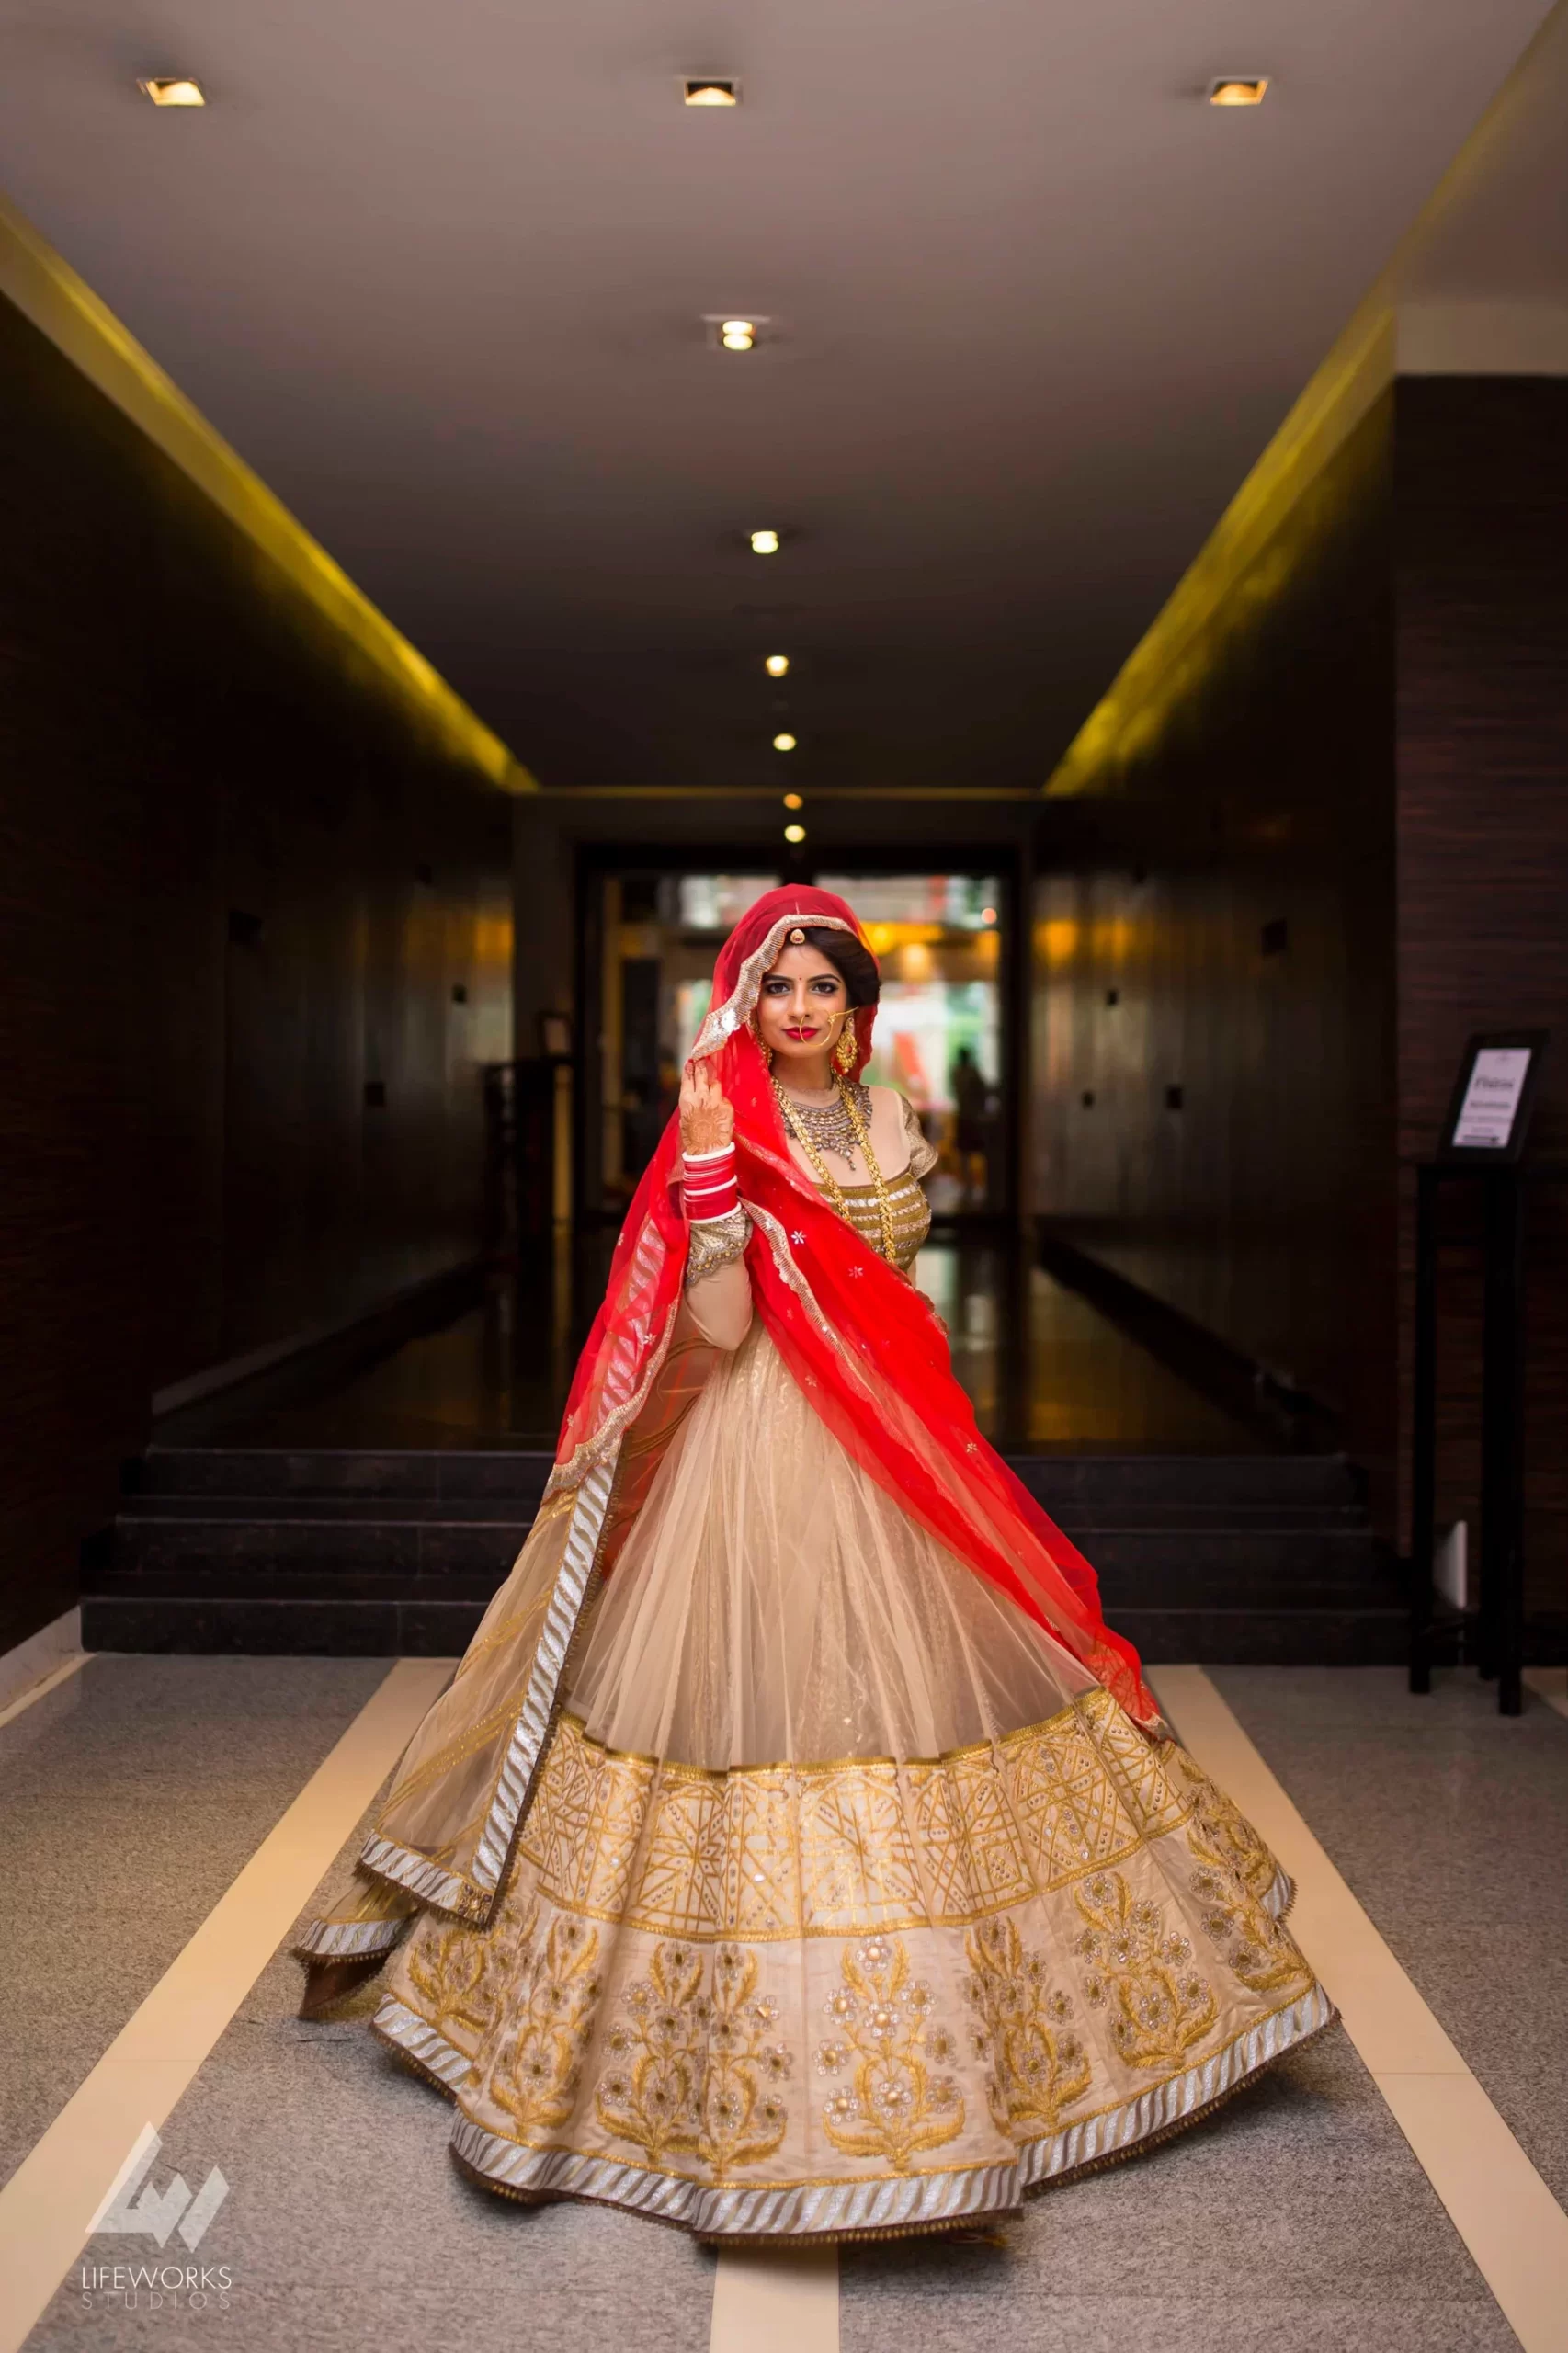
[1481, 501]
[240, 881]
[1234, 885]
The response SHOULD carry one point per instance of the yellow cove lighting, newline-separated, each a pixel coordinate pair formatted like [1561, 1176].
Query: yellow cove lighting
[785, 743]
[777, 666]
[711, 90]
[174, 90]
[794, 833]
[1232, 90]
[765, 543]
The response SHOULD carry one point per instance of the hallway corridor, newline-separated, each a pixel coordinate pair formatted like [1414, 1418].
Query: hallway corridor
[1399, 2185]
[784, 1213]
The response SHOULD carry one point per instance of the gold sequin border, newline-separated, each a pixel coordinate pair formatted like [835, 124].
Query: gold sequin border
[767, 1853]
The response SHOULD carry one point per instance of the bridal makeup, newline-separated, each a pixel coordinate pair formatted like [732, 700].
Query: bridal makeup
[798, 1011]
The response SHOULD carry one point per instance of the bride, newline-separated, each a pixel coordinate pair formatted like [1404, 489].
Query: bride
[796, 1854]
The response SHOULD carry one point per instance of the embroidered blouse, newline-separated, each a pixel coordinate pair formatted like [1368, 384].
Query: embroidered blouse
[716, 1244]
[906, 1198]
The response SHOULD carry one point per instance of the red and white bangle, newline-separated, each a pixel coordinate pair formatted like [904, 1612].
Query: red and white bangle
[708, 1183]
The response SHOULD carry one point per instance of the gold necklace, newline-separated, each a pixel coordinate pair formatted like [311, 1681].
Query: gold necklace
[862, 1135]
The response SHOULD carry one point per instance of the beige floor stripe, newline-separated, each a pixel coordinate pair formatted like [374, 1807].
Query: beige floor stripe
[49, 2204]
[1503, 2211]
[776, 2303]
[45, 1683]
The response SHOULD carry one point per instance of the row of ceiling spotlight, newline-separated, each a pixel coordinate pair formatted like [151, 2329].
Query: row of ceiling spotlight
[704, 90]
[777, 666]
[732, 333]
[736, 333]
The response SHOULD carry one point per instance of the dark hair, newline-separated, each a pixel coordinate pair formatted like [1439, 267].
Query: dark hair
[855, 965]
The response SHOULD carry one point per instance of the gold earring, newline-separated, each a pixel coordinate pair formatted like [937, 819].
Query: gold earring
[763, 1046]
[849, 1045]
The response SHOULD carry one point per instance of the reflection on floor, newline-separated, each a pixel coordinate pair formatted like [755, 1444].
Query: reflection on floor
[1048, 1371]
[1051, 1373]
[1296, 2216]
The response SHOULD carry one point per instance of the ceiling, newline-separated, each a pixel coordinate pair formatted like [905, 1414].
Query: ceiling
[1497, 231]
[438, 274]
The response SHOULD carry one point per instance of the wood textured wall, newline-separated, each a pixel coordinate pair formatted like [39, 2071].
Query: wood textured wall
[239, 889]
[1232, 887]
[1343, 847]
[1482, 507]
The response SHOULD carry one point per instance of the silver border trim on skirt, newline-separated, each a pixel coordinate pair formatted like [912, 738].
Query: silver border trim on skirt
[351, 1940]
[449, 1891]
[835, 2210]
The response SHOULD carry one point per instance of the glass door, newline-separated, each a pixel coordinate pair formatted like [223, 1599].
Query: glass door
[938, 940]
[659, 934]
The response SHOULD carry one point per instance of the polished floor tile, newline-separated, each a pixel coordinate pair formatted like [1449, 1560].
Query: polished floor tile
[1047, 1371]
[1447, 1820]
[131, 1796]
[1297, 2214]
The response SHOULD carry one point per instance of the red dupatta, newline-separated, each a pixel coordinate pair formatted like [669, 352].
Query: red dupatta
[861, 1339]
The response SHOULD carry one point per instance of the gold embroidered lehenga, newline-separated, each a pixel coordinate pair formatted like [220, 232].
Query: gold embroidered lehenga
[815, 1891]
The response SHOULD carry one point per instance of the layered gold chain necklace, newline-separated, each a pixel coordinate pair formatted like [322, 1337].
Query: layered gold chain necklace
[802, 1135]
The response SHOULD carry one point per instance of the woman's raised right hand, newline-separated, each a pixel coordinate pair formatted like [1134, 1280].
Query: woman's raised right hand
[707, 1117]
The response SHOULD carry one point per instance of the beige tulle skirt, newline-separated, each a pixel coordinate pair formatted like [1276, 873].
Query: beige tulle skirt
[847, 1904]
[774, 1604]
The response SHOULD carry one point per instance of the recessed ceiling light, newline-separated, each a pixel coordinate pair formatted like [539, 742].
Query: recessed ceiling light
[1238, 90]
[174, 90]
[785, 743]
[727, 334]
[711, 90]
[793, 800]
[794, 833]
[777, 666]
[765, 543]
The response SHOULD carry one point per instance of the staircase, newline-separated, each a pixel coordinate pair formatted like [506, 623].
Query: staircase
[1229, 1560]
[1218, 1559]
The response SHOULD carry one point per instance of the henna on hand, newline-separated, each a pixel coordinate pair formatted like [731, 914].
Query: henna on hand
[707, 1117]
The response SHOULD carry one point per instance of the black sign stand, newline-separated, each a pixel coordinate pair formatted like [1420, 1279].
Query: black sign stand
[1483, 1138]
[1501, 1619]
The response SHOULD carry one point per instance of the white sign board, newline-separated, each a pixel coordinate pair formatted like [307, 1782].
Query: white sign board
[1491, 1098]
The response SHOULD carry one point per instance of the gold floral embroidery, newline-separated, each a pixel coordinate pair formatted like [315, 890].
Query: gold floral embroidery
[1263, 1955]
[1159, 2006]
[694, 2073]
[1226, 1829]
[448, 1967]
[892, 2106]
[552, 1993]
[1037, 2066]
